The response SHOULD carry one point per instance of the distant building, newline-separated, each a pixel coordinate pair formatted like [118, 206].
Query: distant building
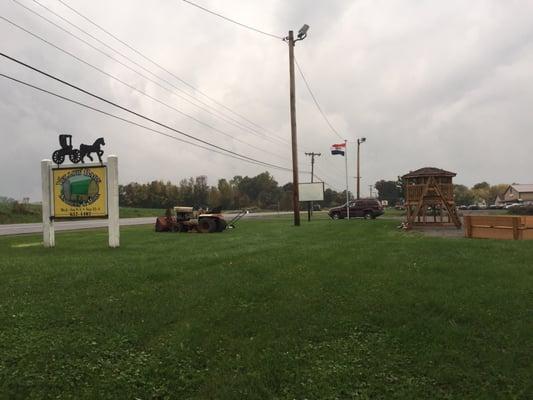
[517, 193]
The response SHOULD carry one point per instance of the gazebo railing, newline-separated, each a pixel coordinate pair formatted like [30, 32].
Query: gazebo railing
[414, 192]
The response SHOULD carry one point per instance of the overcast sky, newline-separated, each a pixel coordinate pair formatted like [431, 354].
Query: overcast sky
[428, 83]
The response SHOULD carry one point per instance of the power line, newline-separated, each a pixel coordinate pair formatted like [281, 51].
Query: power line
[325, 182]
[334, 177]
[160, 66]
[219, 114]
[238, 125]
[140, 91]
[316, 101]
[136, 113]
[233, 21]
[125, 119]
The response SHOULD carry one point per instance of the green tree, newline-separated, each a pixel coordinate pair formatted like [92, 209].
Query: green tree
[463, 195]
[227, 194]
[497, 190]
[390, 191]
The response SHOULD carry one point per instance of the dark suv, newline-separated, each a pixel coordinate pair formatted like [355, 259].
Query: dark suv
[366, 208]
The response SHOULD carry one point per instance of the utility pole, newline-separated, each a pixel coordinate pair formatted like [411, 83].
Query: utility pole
[313, 155]
[346, 170]
[302, 33]
[310, 204]
[358, 177]
[370, 187]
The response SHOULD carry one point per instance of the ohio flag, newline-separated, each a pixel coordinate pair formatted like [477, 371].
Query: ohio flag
[338, 148]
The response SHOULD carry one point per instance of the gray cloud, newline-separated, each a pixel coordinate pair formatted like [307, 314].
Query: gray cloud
[428, 83]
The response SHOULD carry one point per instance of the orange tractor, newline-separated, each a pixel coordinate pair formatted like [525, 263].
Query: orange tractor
[186, 219]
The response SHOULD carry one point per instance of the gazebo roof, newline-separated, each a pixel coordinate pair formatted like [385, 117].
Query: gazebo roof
[428, 171]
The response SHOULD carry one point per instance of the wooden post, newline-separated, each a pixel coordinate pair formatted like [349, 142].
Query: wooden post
[113, 205]
[294, 139]
[310, 203]
[358, 171]
[468, 226]
[48, 222]
[516, 221]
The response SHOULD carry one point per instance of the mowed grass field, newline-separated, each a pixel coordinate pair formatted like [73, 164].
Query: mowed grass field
[32, 213]
[330, 310]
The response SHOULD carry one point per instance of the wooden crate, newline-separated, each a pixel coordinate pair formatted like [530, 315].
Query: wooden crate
[511, 227]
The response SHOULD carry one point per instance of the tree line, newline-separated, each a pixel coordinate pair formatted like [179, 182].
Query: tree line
[261, 191]
[480, 193]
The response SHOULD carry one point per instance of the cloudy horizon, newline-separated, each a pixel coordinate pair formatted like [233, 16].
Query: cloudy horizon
[444, 84]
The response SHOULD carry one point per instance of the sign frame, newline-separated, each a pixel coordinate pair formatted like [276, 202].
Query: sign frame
[303, 192]
[53, 185]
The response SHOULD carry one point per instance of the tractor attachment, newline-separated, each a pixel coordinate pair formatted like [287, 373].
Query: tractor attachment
[186, 219]
[242, 213]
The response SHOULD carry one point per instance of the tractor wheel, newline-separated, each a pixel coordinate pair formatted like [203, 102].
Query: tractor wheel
[183, 228]
[74, 156]
[221, 225]
[58, 157]
[160, 225]
[207, 225]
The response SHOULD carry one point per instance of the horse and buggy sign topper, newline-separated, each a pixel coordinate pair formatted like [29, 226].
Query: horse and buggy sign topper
[75, 155]
[80, 191]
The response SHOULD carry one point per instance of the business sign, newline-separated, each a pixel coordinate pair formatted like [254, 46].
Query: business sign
[79, 192]
[313, 191]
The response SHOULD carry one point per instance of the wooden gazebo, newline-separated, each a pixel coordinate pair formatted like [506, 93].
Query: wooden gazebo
[429, 190]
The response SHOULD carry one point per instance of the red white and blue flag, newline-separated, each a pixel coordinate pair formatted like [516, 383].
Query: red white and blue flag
[338, 148]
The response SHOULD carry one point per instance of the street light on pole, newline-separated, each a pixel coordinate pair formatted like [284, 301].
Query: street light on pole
[358, 177]
[302, 34]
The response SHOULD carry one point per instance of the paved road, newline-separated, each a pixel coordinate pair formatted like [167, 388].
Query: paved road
[19, 229]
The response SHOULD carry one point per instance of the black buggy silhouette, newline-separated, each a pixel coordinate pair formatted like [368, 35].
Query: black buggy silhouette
[65, 141]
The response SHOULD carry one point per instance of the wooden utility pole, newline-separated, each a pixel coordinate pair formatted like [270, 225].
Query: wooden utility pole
[358, 177]
[310, 204]
[294, 139]
[358, 171]
[313, 155]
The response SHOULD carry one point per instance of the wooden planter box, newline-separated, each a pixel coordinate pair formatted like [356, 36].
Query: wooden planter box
[517, 227]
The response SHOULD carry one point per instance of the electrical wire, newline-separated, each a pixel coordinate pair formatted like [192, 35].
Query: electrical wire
[316, 101]
[150, 60]
[123, 119]
[228, 119]
[325, 182]
[138, 114]
[233, 21]
[238, 125]
[142, 92]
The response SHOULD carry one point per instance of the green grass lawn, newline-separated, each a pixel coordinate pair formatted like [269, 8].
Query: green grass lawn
[33, 213]
[128, 212]
[330, 310]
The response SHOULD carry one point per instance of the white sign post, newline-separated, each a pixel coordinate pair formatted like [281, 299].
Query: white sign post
[112, 199]
[112, 196]
[48, 223]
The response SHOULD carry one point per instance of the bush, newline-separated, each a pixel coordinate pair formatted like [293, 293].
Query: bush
[521, 210]
[19, 208]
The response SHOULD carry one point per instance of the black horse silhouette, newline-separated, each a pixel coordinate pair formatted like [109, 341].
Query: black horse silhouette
[86, 150]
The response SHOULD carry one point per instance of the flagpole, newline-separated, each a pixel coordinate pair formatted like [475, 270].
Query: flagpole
[346, 168]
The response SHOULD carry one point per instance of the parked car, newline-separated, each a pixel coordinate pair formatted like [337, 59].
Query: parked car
[508, 206]
[366, 208]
